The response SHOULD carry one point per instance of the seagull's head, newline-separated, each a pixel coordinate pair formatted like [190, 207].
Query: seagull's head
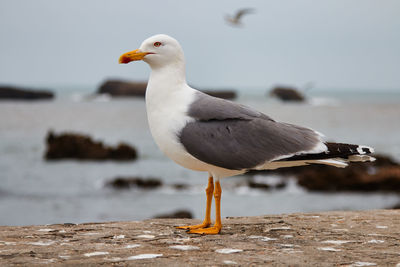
[157, 51]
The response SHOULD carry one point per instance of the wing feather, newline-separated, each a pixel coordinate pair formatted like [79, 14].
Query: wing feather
[236, 137]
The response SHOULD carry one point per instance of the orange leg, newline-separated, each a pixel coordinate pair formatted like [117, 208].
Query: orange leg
[207, 219]
[217, 226]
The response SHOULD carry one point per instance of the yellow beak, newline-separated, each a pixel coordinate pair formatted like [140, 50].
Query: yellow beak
[132, 56]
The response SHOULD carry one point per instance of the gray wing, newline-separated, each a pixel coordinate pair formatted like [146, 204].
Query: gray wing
[206, 108]
[242, 12]
[233, 136]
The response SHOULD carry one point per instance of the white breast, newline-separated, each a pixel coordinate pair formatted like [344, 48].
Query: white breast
[166, 113]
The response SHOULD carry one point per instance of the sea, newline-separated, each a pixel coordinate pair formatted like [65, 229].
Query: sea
[36, 191]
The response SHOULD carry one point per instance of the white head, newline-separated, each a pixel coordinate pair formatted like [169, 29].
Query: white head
[158, 51]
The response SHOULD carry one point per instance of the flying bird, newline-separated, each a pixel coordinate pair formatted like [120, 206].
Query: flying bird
[235, 20]
[220, 137]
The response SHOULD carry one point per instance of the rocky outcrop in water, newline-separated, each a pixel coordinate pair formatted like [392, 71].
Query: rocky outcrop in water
[81, 147]
[14, 93]
[265, 185]
[287, 94]
[130, 182]
[119, 88]
[381, 175]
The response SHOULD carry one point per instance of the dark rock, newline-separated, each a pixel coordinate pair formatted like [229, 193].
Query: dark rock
[383, 161]
[225, 94]
[395, 207]
[76, 146]
[129, 182]
[380, 175]
[180, 186]
[287, 94]
[122, 152]
[265, 185]
[180, 214]
[280, 185]
[373, 176]
[10, 92]
[118, 88]
[252, 184]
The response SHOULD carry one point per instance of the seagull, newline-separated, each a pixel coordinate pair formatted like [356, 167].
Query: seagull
[235, 20]
[220, 137]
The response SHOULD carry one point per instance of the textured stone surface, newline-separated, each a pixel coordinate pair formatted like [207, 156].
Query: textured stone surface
[313, 239]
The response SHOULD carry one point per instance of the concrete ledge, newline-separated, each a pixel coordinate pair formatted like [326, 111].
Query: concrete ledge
[363, 238]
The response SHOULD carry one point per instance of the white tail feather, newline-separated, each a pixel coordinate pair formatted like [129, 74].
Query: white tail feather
[337, 162]
[360, 149]
[361, 158]
[340, 163]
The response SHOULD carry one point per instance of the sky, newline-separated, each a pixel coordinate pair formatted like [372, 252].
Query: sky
[332, 43]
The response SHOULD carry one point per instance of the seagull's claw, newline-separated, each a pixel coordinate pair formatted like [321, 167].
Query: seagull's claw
[191, 227]
[206, 231]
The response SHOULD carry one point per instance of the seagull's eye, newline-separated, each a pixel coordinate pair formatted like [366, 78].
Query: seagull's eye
[157, 44]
